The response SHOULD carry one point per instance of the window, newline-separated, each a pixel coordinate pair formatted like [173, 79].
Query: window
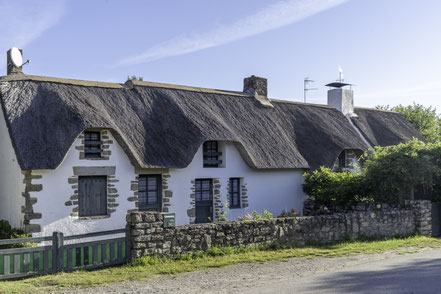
[92, 146]
[150, 192]
[204, 200]
[211, 154]
[92, 195]
[342, 159]
[234, 193]
[204, 190]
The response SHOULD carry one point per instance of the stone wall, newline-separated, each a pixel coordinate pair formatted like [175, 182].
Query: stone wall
[148, 237]
[423, 216]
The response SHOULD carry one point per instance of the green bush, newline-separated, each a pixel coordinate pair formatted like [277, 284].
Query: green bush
[6, 232]
[326, 187]
[394, 172]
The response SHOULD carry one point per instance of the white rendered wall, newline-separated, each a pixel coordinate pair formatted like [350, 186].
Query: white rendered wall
[56, 191]
[273, 189]
[11, 180]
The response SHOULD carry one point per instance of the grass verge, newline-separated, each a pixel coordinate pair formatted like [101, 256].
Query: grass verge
[148, 267]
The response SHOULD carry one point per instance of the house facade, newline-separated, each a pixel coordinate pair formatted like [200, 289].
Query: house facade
[76, 156]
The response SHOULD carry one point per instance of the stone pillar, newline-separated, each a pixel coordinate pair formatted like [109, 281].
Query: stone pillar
[422, 210]
[146, 233]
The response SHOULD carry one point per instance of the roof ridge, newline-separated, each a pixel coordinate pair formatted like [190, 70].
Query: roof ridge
[13, 78]
[185, 88]
[301, 103]
[374, 109]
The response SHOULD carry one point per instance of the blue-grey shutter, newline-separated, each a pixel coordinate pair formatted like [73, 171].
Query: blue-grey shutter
[92, 191]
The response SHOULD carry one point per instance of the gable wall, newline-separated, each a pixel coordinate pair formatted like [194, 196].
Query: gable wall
[58, 199]
[11, 180]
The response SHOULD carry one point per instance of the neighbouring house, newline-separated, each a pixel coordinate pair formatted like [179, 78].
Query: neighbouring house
[76, 156]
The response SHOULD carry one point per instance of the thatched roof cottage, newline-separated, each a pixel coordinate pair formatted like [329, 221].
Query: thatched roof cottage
[75, 156]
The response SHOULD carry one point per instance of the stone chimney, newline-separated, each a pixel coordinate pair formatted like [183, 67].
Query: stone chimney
[11, 68]
[253, 85]
[257, 87]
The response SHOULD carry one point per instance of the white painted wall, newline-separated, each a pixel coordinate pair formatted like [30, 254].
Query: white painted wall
[56, 191]
[273, 189]
[11, 180]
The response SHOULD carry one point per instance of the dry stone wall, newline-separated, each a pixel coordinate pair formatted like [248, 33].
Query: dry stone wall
[148, 237]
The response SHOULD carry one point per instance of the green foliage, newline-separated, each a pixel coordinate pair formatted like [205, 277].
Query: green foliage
[7, 232]
[326, 187]
[291, 213]
[135, 78]
[395, 171]
[424, 119]
[223, 215]
[255, 216]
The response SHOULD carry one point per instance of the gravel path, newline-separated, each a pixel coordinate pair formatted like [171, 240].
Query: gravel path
[236, 278]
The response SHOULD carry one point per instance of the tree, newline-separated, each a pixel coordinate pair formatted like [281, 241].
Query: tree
[424, 119]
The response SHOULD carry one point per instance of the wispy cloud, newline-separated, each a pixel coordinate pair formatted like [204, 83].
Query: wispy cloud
[272, 17]
[23, 21]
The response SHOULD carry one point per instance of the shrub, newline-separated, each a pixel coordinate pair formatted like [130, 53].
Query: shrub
[291, 213]
[326, 187]
[6, 232]
[255, 216]
[393, 172]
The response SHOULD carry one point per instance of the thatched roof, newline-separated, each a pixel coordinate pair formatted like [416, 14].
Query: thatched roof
[162, 126]
[384, 128]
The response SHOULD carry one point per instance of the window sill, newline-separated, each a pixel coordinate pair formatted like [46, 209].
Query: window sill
[94, 217]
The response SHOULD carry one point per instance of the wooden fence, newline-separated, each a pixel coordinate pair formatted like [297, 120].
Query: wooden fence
[61, 257]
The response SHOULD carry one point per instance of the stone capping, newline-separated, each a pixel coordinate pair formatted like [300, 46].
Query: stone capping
[28, 209]
[94, 170]
[148, 237]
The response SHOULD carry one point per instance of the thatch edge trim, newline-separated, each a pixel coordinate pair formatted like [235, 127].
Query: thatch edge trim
[375, 109]
[132, 83]
[301, 103]
[14, 78]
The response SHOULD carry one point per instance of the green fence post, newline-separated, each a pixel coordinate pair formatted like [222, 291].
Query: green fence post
[57, 251]
[54, 251]
[60, 251]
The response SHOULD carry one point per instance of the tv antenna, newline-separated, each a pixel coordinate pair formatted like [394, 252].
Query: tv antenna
[306, 82]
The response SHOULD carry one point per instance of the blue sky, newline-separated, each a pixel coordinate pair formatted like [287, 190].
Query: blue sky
[391, 49]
